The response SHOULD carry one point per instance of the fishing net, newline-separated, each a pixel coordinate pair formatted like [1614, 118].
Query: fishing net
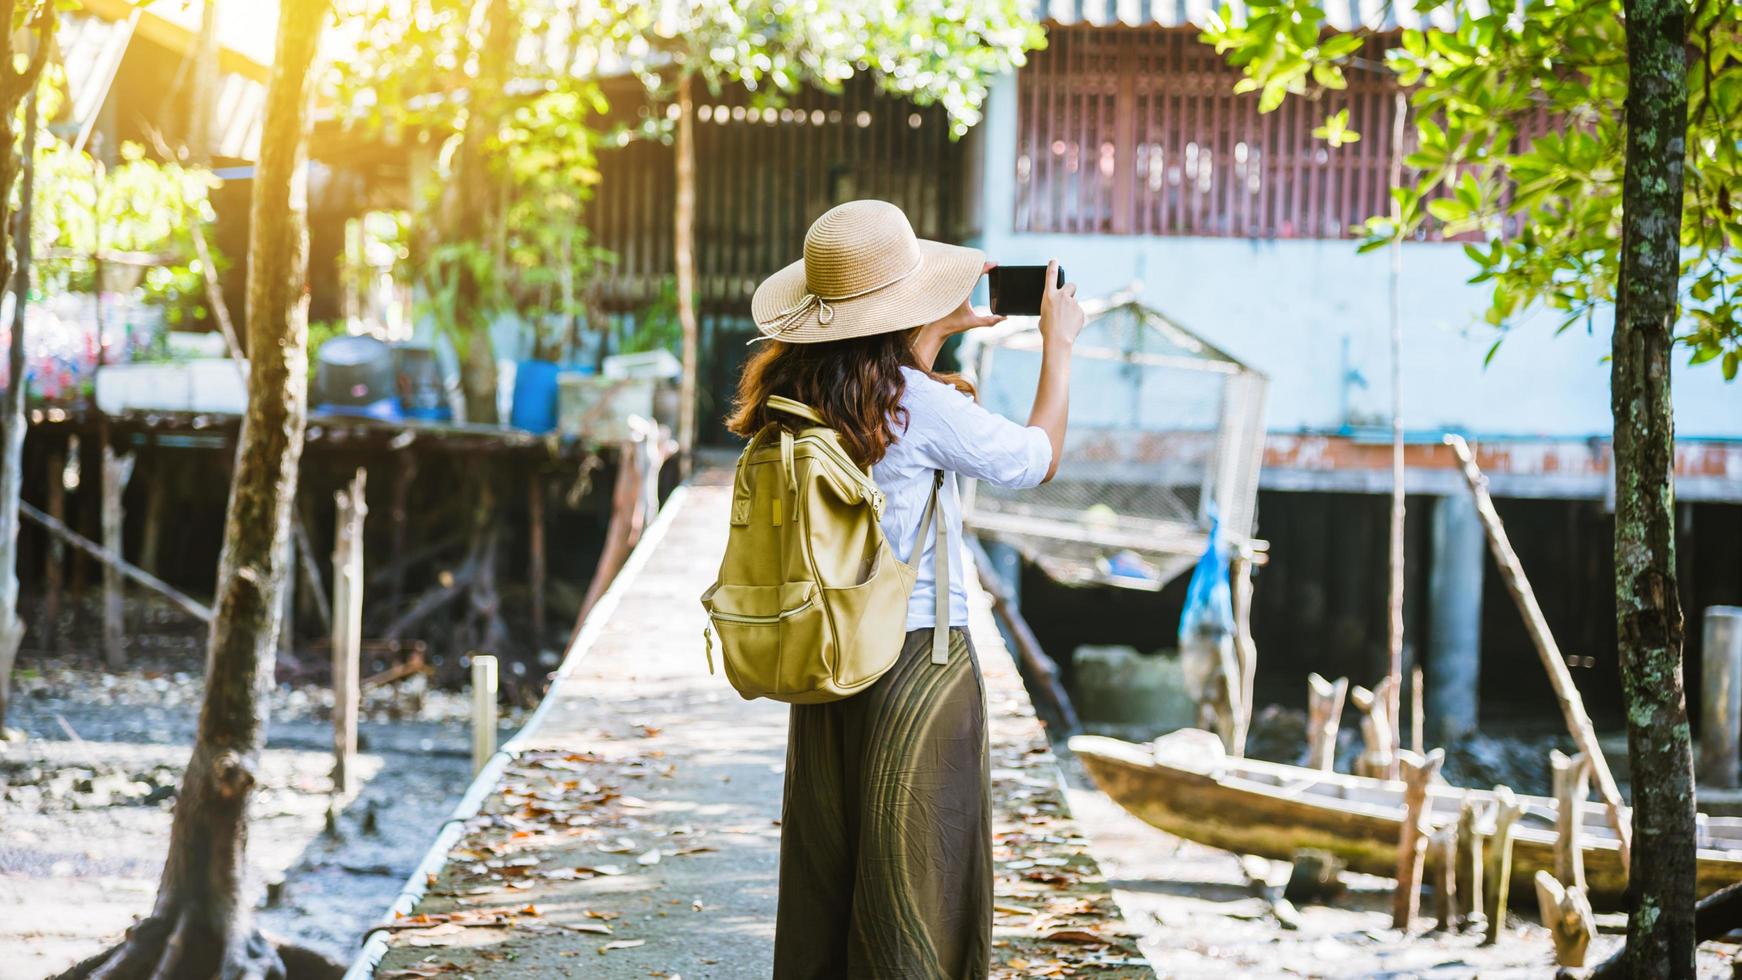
[1165, 430]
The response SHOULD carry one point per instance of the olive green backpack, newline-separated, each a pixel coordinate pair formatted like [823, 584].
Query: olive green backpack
[811, 603]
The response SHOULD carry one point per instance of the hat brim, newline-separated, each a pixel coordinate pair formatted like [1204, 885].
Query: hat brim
[945, 276]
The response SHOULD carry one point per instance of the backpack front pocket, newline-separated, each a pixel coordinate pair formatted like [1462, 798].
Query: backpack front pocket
[874, 613]
[771, 637]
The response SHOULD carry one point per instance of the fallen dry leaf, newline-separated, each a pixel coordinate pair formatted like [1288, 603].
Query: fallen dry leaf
[621, 944]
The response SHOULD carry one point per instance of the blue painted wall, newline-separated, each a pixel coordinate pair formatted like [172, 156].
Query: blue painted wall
[1286, 307]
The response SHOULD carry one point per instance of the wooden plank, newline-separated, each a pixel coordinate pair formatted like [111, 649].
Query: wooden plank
[1417, 772]
[117, 470]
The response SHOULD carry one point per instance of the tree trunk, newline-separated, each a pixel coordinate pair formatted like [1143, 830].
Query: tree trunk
[1660, 923]
[684, 244]
[14, 85]
[466, 214]
[202, 924]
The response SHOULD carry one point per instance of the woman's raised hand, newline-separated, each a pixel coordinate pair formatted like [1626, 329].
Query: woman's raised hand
[964, 318]
[1061, 317]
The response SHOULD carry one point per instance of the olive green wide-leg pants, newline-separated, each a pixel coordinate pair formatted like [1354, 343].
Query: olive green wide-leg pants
[886, 831]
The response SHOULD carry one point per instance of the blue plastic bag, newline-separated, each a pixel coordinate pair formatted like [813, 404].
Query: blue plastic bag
[1209, 608]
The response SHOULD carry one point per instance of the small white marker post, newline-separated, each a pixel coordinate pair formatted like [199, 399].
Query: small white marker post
[483, 710]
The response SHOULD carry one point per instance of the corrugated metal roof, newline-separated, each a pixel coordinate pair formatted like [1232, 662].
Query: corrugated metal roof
[1343, 15]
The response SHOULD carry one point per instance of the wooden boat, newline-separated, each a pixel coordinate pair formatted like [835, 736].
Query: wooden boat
[1186, 785]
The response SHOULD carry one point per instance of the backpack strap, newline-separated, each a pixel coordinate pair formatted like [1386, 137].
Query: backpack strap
[791, 406]
[934, 522]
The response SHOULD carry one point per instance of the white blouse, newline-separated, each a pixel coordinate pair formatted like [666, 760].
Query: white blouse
[947, 430]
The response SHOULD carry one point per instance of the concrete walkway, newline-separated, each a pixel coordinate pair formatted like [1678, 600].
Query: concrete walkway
[634, 830]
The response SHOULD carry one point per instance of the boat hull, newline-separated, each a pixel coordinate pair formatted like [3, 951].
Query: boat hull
[1246, 816]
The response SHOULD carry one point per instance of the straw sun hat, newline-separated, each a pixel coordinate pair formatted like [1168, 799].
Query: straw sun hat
[864, 272]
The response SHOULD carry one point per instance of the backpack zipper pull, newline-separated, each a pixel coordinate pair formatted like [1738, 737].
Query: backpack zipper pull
[708, 646]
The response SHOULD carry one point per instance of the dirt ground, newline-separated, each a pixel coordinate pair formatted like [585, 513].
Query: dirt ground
[86, 797]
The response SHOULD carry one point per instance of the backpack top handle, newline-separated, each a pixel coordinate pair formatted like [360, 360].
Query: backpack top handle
[780, 403]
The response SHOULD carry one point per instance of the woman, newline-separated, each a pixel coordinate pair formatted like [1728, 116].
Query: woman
[886, 849]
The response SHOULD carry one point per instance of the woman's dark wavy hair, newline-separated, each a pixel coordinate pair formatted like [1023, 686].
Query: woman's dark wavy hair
[856, 385]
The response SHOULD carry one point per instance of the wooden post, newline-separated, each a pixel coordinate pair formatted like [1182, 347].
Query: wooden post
[1470, 896]
[1417, 710]
[483, 710]
[1444, 845]
[1498, 874]
[1324, 714]
[1376, 756]
[1572, 780]
[287, 620]
[1572, 706]
[1567, 913]
[1721, 696]
[157, 472]
[1245, 651]
[347, 628]
[54, 567]
[311, 573]
[1417, 772]
[404, 471]
[117, 470]
[535, 556]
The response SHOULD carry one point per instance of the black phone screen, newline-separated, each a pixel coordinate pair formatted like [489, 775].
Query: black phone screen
[1016, 289]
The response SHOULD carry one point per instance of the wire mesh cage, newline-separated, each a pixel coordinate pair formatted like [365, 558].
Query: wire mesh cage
[1165, 431]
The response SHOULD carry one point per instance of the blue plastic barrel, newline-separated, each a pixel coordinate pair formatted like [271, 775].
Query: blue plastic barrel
[534, 406]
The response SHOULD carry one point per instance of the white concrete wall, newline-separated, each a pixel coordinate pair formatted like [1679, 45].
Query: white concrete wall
[1285, 307]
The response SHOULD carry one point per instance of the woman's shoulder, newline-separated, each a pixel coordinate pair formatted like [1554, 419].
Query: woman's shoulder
[924, 391]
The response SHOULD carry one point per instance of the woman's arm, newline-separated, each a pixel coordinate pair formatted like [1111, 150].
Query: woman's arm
[1061, 319]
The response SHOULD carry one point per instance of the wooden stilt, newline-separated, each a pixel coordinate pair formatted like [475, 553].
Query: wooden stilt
[535, 555]
[1572, 705]
[1721, 696]
[347, 628]
[1470, 894]
[156, 493]
[54, 565]
[1417, 710]
[404, 471]
[1417, 771]
[287, 620]
[1567, 914]
[1572, 781]
[117, 470]
[1497, 876]
[311, 572]
[1324, 713]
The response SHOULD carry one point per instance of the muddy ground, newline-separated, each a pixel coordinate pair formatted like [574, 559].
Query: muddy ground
[86, 798]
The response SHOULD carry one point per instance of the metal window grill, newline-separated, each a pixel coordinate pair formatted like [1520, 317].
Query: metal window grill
[1163, 425]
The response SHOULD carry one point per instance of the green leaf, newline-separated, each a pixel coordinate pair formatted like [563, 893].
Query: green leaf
[1447, 209]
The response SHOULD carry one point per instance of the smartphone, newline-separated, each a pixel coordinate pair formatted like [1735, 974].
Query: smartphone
[1016, 289]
